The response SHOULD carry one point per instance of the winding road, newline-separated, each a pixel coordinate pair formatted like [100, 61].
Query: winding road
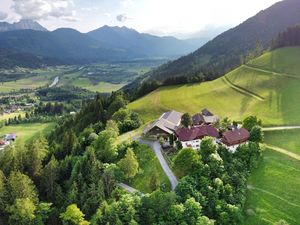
[55, 82]
[157, 150]
[129, 189]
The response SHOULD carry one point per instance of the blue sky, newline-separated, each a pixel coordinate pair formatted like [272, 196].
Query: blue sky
[180, 18]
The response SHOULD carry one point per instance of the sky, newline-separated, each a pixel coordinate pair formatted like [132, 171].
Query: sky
[180, 18]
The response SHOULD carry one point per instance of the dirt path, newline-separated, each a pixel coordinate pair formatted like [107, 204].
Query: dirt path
[284, 151]
[271, 72]
[250, 187]
[280, 128]
[241, 90]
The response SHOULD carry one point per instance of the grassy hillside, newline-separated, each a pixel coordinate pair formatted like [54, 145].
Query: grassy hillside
[286, 139]
[267, 87]
[274, 191]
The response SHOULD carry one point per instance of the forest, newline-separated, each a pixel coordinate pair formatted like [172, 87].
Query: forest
[72, 175]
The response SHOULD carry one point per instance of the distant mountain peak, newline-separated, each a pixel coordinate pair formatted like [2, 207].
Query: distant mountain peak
[23, 24]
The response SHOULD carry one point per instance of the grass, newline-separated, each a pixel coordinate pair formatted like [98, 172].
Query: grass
[11, 115]
[274, 191]
[101, 87]
[148, 164]
[26, 83]
[26, 132]
[286, 139]
[280, 92]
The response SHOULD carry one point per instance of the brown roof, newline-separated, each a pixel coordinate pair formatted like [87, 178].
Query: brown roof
[197, 119]
[193, 133]
[236, 136]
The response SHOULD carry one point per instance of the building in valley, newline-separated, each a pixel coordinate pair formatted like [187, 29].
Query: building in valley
[191, 137]
[166, 125]
[235, 137]
[204, 117]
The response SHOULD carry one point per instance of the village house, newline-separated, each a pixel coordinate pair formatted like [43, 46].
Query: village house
[205, 117]
[166, 125]
[234, 138]
[7, 140]
[10, 137]
[191, 137]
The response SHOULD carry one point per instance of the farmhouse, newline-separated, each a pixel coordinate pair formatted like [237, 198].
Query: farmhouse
[233, 138]
[191, 137]
[205, 117]
[165, 125]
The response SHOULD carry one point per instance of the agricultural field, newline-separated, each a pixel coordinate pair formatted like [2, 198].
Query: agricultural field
[11, 115]
[286, 139]
[103, 78]
[247, 90]
[273, 191]
[148, 165]
[26, 83]
[26, 132]
[102, 87]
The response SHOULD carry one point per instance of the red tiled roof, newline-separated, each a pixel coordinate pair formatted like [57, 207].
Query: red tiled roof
[236, 136]
[193, 133]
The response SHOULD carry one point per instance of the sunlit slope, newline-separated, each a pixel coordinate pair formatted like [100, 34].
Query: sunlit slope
[267, 87]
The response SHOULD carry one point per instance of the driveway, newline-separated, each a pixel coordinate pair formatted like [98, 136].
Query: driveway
[129, 189]
[157, 150]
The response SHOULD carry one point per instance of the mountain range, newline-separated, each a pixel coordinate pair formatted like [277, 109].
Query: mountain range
[69, 46]
[225, 52]
[21, 25]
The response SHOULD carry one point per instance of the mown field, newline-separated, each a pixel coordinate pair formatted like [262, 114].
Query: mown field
[253, 91]
[11, 115]
[273, 192]
[26, 132]
[27, 83]
[286, 139]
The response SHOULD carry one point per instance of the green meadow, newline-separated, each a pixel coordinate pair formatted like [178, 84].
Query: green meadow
[286, 139]
[26, 132]
[26, 83]
[273, 191]
[101, 87]
[11, 115]
[253, 89]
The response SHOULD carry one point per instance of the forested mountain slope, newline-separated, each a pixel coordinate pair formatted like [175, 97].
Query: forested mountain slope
[68, 46]
[225, 52]
[267, 87]
[146, 44]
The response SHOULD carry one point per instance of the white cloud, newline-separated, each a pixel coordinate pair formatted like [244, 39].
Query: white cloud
[44, 9]
[3, 15]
